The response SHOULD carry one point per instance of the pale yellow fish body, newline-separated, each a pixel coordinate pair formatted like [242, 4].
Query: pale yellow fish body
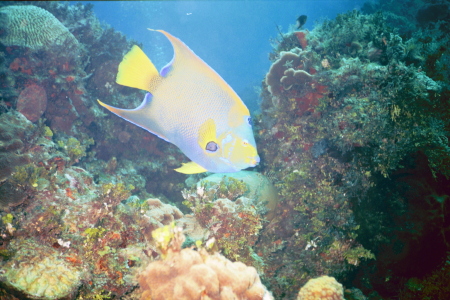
[191, 106]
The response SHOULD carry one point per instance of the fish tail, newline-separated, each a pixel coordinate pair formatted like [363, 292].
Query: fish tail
[136, 70]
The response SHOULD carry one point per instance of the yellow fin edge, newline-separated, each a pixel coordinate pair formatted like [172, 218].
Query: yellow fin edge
[191, 168]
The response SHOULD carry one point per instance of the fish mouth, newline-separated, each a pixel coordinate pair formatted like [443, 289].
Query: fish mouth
[254, 161]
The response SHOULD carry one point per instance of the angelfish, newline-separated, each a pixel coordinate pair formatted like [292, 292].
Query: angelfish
[189, 105]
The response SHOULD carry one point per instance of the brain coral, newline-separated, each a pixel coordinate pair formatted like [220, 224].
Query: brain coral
[37, 272]
[321, 288]
[33, 27]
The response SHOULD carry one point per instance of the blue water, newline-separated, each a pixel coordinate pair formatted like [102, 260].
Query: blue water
[231, 36]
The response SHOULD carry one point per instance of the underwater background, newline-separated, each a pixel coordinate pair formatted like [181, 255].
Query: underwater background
[351, 119]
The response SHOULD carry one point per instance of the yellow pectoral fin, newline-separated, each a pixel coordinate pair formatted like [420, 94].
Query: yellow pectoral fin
[191, 168]
[136, 70]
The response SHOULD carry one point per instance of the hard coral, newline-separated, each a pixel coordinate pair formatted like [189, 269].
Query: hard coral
[321, 288]
[188, 274]
[32, 27]
[38, 273]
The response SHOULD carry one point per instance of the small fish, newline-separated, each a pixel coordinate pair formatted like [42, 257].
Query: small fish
[189, 105]
[301, 21]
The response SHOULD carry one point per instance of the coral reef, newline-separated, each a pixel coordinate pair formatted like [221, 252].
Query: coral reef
[327, 140]
[33, 27]
[321, 288]
[190, 274]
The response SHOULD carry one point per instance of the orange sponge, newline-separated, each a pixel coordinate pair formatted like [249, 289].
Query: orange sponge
[321, 288]
[190, 274]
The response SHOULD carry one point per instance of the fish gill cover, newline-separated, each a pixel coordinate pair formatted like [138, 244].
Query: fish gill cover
[353, 134]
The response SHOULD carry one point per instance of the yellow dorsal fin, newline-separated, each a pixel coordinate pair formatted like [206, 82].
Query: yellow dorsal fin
[191, 168]
[207, 133]
[136, 70]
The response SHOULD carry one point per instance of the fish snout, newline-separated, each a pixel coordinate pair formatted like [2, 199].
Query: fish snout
[255, 161]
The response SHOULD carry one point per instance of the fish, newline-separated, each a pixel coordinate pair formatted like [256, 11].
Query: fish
[301, 20]
[189, 105]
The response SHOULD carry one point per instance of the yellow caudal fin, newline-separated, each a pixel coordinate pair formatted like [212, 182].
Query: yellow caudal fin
[136, 70]
[191, 168]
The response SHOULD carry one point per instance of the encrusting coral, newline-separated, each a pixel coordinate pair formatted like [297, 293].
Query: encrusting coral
[321, 288]
[190, 274]
[33, 27]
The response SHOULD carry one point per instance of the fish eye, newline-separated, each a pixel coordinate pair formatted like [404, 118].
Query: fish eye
[249, 121]
[212, 147]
